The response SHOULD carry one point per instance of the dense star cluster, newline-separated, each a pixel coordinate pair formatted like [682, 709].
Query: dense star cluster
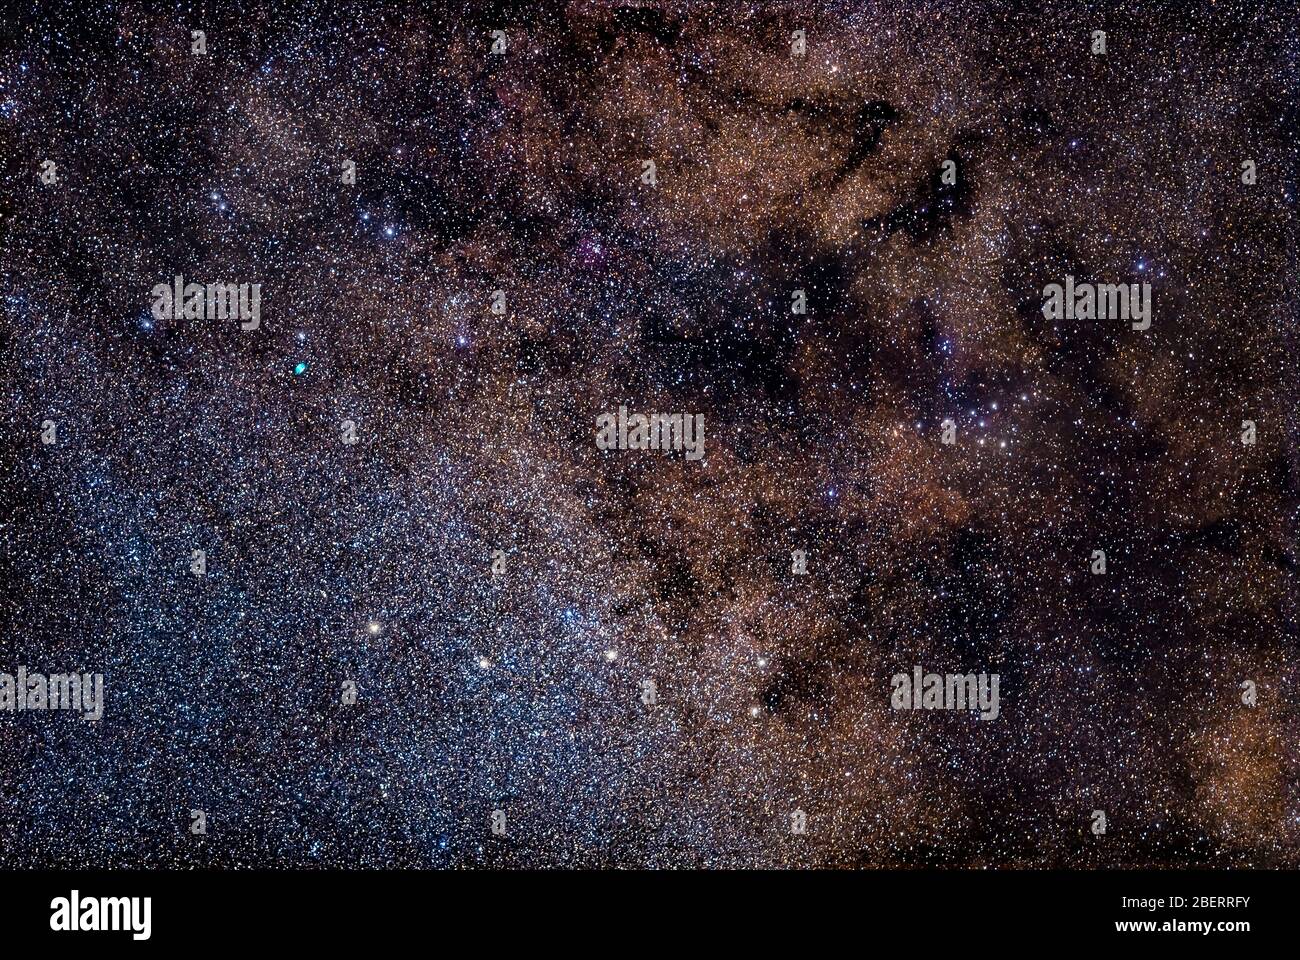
[474, 636]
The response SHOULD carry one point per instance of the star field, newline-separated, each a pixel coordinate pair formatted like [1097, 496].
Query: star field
[497, 589]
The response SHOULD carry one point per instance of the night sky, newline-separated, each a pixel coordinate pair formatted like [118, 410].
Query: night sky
[627, 576]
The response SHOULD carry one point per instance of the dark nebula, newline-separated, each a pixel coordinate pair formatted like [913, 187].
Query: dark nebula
[564, 655]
